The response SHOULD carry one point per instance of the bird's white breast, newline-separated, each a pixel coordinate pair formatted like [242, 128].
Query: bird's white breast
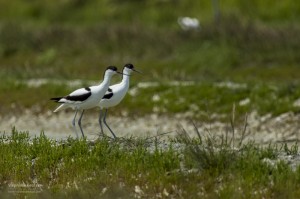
[119, 91]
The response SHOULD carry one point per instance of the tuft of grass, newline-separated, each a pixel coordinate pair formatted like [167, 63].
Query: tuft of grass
[238, 171]
[205, 166]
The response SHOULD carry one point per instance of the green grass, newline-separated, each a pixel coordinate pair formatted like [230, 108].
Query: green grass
[77, 39]
[196, 101]
[205, 167]
[233, 51]
[155, 13]
[253, 43]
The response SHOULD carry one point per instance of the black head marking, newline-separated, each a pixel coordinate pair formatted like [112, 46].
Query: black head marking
[87, 88]
[109, 90]
[130, 66]
[112, 68]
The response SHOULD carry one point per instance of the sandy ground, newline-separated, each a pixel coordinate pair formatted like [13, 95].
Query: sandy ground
[58, 125]
[261, 129]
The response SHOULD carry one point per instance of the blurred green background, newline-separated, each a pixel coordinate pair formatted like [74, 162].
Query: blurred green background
[253, 42]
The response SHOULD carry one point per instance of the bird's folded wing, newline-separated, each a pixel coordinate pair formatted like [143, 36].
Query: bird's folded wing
[79, 95]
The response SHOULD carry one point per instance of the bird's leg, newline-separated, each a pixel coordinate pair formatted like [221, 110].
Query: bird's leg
[100, 122]
[79, 123]
[73, 123]
[104, 120]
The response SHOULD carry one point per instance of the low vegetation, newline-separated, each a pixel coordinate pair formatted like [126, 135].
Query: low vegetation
[247, 57]
[191, 100]
[204, 166]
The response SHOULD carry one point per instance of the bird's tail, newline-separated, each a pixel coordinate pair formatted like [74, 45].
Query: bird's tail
[56, 99]
[61, 107]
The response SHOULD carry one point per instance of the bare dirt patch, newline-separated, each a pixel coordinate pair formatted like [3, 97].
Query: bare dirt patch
[261, 129]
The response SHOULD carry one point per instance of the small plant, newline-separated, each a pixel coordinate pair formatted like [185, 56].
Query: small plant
[292, 150]
[136, 167]
[208, 152]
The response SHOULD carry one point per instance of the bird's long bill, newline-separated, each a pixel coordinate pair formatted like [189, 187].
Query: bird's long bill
[137, 71]
[122, 73]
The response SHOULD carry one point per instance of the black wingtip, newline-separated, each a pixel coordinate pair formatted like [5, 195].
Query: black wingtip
[56, 99]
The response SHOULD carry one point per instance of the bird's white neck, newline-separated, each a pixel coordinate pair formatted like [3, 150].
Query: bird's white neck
[106, 81]
[125, 80]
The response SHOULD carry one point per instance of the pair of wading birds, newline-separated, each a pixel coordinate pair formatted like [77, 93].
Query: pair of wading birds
[102, 95]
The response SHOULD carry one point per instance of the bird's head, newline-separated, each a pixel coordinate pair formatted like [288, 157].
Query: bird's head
[111, 70]
[129, 68]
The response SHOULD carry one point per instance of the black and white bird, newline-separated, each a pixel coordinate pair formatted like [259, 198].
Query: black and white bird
[86, 98]
[114, 95]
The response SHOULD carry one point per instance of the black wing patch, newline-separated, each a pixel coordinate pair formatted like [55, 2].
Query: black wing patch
[108, 96]
[78, 97]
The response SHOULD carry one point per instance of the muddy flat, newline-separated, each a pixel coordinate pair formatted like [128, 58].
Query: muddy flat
[261, 129]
